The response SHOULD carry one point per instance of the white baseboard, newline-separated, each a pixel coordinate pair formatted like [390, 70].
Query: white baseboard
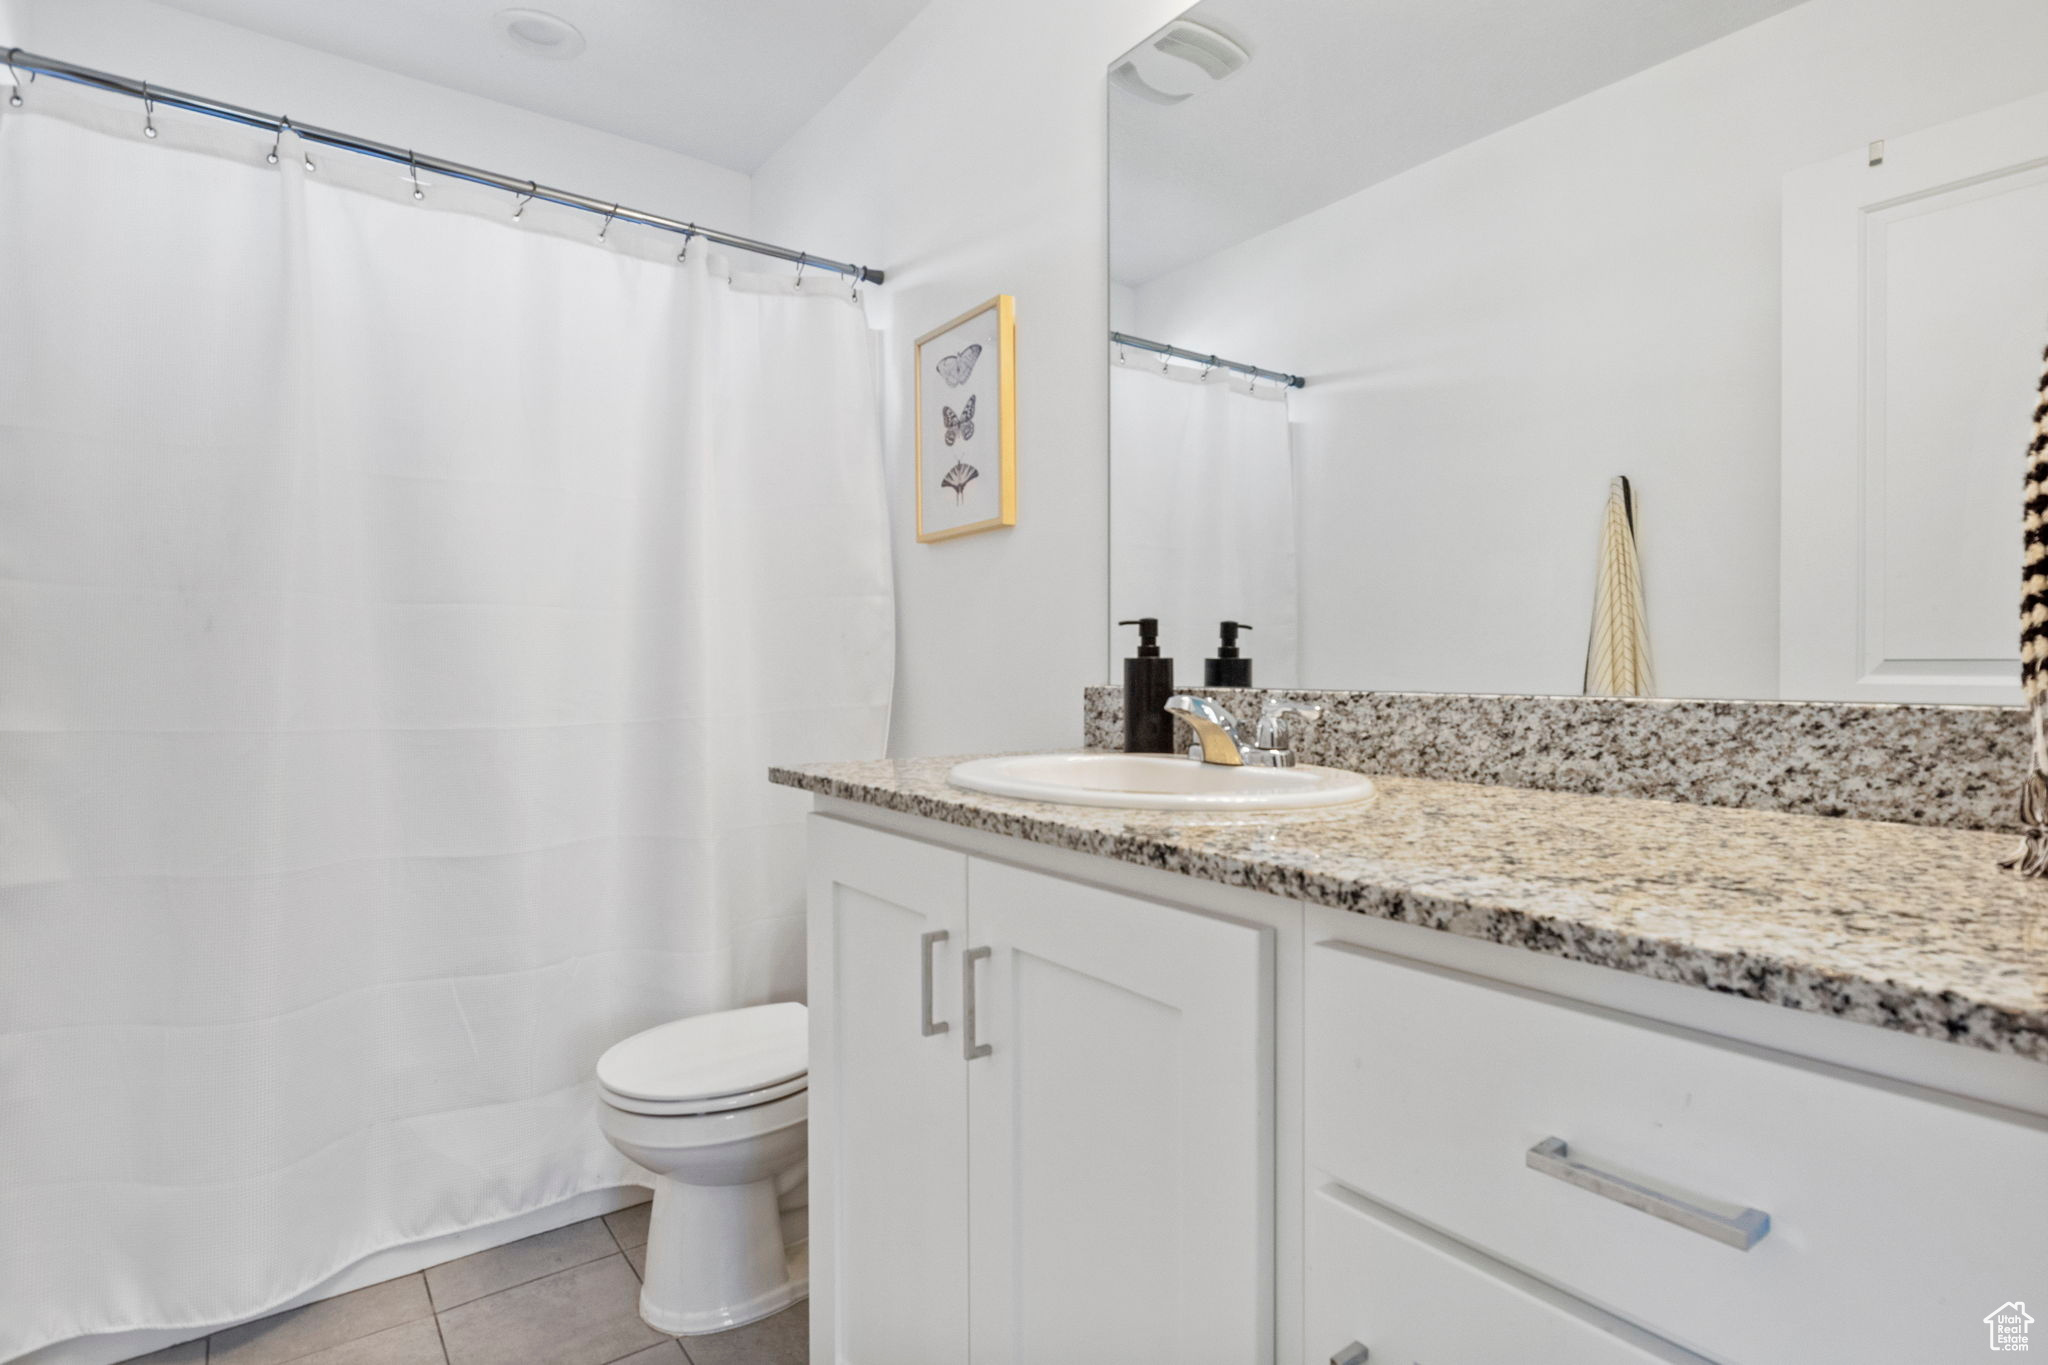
[388, 1264]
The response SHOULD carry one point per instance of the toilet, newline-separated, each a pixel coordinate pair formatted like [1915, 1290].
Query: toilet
[715, 1107]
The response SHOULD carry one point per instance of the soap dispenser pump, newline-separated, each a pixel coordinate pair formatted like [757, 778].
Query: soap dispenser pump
[1148, 683]
[1227, 669]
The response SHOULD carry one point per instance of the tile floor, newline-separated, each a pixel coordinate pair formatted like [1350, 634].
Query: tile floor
[567, 1297]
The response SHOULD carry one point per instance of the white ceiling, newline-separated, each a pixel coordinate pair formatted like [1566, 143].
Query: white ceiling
[727, 81]
[1342, 94]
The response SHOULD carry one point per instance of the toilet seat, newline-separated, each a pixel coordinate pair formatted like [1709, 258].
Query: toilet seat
[714, 1104]
[709, 1063]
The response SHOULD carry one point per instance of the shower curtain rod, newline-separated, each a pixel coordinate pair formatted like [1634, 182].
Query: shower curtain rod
[152, 95]
[1292, 381]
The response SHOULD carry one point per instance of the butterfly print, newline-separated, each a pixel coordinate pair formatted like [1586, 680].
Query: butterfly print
[955, 368]
[958, 477]
[959, 425]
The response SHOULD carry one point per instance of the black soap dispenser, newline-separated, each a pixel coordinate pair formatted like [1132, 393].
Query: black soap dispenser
[1227, 669]
[1148, 682]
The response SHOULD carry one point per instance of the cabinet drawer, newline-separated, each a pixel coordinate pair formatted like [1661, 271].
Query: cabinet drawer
[1406, 1294]
[1896, 1221]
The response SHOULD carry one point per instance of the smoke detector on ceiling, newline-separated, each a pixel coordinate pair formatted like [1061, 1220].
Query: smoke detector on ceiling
[1178, 62]
[542, 34]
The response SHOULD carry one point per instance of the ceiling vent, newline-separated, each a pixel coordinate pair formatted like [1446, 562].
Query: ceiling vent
[1178, 62]
[540, 33]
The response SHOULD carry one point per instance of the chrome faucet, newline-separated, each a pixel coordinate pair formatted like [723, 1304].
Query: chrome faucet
[1219, 736]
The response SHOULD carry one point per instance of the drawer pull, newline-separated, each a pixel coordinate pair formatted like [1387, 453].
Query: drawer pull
[1742, 1230]
[930, 1025]
[971, 1045]
[1354, 1354]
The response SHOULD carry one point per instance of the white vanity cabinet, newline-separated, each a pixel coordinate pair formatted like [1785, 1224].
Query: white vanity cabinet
[1041, 1116]
[1755, 1207]
[888, 1106]
[1174, 1121]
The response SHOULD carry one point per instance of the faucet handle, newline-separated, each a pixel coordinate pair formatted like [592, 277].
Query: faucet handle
[1273, 729]
[1200, 708]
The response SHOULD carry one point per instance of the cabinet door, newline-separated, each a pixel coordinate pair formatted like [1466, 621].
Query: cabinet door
[1120, 1129]
[888, 1115]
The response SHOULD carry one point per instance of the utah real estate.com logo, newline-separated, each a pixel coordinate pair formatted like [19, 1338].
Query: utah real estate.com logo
[2008, 1325]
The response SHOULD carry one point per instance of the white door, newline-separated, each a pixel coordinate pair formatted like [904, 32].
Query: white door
[888, 1100]
[1916, 307]
[1120, 1129]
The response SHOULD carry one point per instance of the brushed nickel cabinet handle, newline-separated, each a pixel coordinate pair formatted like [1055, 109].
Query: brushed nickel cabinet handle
[1743, 1230]
[969, 1048]
[1354, 1354]
[925, 946]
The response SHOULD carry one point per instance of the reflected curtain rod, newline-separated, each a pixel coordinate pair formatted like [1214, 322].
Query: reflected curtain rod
[20, 61]
[1292, 381]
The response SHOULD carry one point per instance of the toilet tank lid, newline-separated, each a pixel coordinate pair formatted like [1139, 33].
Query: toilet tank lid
[709, 1055]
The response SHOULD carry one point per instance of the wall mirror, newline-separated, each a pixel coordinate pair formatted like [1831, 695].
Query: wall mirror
[1776, 266]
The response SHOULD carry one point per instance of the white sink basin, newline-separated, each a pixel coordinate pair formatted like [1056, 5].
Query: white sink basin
[1158, 782]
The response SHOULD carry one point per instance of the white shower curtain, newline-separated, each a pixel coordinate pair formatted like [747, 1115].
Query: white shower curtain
[1202, 516]
[399, 607]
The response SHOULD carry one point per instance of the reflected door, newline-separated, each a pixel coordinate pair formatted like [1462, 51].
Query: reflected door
[1916, 308]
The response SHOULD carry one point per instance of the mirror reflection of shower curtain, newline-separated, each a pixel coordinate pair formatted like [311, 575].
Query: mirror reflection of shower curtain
[1202, 516]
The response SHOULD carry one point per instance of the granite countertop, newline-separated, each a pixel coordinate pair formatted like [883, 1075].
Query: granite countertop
[1905, 927]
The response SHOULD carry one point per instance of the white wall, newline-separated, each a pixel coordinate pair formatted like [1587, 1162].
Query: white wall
[1491, 336]
[1123, 308]
[186, 52]
[968, 159]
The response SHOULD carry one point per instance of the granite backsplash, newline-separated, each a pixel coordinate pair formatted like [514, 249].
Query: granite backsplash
[1953, 766]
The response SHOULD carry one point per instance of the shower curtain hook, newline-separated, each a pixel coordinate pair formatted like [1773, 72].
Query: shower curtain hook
[15, 98]
[684, 254]
[802, 257]
[284, 121]
[148, 112]
[412, 165]
[1208, 369]
[532, 193]
[607, 222]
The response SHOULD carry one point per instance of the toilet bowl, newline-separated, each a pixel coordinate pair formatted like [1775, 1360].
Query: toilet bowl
[715, 1106]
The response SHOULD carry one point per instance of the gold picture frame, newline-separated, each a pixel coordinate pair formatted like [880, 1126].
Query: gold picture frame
[957, 494]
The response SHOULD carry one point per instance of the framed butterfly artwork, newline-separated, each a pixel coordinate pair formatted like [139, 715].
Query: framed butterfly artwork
[967, 423]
